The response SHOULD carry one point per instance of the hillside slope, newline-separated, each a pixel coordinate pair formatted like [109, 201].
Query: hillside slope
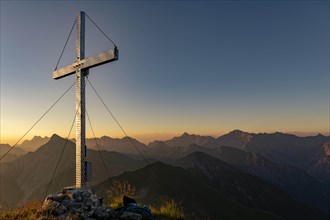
[296, 182]
[31, 174]
[200, 201]
[244, 188]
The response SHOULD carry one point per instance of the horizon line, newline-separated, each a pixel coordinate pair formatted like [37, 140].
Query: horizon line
[147, 138]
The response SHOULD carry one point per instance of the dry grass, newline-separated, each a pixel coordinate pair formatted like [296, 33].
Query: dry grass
[27, 210]
[170, 210]
[31, 210]
[118, 190]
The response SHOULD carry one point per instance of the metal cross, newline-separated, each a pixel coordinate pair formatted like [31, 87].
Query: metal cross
[81, 69]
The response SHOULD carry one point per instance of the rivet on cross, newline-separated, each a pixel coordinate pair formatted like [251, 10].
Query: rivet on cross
[81, 69]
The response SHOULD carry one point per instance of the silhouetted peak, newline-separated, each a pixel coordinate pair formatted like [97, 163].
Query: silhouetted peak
[240, 135]
[104, 137]
[185, 134]
[38, 138]
[56, 137]
[50, 146]
[281, 134]
[237, 132]
[35, 139]
[5, 146]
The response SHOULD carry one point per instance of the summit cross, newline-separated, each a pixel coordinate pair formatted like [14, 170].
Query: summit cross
[81, 69]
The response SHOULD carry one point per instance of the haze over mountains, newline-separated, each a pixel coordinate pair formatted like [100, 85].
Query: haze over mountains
[254, 174]
[28, 177]
[34, 143]
[14, 154]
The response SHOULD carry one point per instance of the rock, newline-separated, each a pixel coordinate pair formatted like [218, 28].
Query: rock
[131, 211]
[131, 216]
[75, 203]
[102, 212]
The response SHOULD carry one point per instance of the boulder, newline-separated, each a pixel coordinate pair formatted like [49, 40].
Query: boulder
[76, 203]
[130, 216]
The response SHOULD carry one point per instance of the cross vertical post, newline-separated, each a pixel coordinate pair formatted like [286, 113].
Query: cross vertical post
[81, 69]
[80, 104]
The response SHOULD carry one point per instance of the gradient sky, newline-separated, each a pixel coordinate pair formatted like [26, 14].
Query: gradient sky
[201, 67]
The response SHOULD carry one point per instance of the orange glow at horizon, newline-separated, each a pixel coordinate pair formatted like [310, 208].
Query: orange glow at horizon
[147, 137]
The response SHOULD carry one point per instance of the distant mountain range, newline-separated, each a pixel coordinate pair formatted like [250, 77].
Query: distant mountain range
[33, 144]
[13, 154]
[301, 152]
[296, 182]
[210, 188]
[244, 188]
[28, 177]
[185, 140]
[125, 145]
[295, 168]
[122, 145]
[307, 153]
[19, 150]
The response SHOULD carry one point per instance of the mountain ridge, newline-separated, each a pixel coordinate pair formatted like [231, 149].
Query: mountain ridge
[296, 182]
[202, 140]
[185, 140]
[31, 173]
[150, 188]
[33, 144]
[247, 189]
[197, 194]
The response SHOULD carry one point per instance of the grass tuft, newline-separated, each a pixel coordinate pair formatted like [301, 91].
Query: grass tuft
[170, 210]
[118, 190]
[28, 210]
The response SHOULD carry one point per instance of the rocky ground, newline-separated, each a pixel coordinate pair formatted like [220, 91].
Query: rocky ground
[81, 204]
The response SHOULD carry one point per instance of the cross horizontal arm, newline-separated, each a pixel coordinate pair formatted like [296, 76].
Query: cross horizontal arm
[89, 62]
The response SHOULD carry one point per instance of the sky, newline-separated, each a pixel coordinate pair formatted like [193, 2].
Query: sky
[202, 67]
